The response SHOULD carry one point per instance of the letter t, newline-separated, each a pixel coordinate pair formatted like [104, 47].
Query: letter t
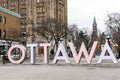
[45, 45]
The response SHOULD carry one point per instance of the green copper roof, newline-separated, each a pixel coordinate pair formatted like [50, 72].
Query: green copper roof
[9, 12]
[94, 21]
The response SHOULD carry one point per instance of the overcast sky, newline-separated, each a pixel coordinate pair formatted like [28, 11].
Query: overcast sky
[81, 12]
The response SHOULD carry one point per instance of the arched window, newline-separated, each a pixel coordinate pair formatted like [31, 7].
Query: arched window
[4, 34]
[4, 19]
[0, 33]
[0, 19]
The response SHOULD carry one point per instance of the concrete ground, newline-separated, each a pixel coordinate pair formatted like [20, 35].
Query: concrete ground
[57, 72]
[61, 71]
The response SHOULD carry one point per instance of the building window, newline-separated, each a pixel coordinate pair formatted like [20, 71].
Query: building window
[40, 9]
[0, 4]
[37, 1]
[23, 11]
[43, 9]
[14, 10]
[0, 33]
[23, 2]
[4, 34]
[23, 21]
[13, 3]
[0, 19]
[3, 4]
[39, 20]
[4, 19]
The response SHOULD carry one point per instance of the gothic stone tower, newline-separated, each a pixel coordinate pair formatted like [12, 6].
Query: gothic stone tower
[94, 33]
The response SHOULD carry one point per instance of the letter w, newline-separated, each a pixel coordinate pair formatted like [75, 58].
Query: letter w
[84, 51]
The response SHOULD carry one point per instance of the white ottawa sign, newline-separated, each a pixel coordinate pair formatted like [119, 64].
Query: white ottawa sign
[61, 50]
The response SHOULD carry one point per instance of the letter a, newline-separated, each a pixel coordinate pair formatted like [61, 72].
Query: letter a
[111, 55]
[64, 54]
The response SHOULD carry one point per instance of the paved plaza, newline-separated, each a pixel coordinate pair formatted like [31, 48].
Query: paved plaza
[60, 71]
[57, 72]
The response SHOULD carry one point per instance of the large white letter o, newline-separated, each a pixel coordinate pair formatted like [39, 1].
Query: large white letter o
[22, 57]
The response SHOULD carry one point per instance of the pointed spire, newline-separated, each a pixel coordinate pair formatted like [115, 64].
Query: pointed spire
[94, 22]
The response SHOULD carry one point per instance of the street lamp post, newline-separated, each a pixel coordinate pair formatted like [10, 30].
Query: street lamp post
[108, 40]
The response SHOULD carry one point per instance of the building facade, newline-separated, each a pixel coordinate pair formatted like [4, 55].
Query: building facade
[33, 12]
[9, 25]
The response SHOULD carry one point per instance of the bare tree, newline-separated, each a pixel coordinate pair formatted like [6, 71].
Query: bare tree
[72, 31]
[15, 34]
[113, 24]
[78, 36]
[51, 29]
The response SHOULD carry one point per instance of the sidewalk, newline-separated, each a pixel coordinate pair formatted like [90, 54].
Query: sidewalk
[57, 72]
[60, 71]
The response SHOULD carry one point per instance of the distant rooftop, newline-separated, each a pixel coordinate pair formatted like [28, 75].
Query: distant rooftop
[9, 12]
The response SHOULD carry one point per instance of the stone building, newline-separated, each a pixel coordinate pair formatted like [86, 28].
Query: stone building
[9, 25]
[33, 12]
